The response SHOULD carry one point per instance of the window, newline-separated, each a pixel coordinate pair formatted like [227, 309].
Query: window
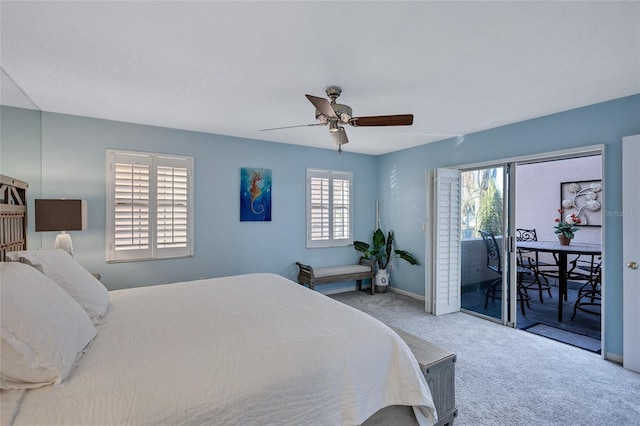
[149, 206]
[329, 205]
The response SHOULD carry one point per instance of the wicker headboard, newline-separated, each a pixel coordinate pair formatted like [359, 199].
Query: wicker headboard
[13, 215]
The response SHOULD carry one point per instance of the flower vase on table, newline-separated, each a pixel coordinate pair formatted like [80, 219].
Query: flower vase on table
[566, 227]
[564, 241]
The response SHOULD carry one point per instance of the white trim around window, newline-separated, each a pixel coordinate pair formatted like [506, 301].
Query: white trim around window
[149, 206]
[329, 208]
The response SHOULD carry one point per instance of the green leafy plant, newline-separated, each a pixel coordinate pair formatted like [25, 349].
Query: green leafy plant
[382, 250]
[567, 226]
[490, 210]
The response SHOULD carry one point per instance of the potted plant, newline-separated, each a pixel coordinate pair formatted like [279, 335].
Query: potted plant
[566, 228]
[383, 252]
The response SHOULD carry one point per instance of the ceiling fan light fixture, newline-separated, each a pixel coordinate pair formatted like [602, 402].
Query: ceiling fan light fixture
[343, 112]
[321, 117]
[336, 115]
[339, 137]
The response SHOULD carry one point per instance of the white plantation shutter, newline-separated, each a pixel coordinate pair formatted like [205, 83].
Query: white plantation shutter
[149, 206]
[172, 202]
[329, 205]
[341, 209]
[131, 207]
[446, 242]
[319, 221]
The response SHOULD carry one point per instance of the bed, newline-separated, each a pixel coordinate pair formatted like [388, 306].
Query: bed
[254, 349]
[13, 215]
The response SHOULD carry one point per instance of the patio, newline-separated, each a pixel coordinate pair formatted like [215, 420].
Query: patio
[585, 328]
[541, 189]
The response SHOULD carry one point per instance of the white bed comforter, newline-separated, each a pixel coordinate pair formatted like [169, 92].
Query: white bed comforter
[253, 349]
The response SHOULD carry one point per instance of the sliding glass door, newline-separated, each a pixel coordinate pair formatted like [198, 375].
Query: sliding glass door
[486, 246]
[471, 228]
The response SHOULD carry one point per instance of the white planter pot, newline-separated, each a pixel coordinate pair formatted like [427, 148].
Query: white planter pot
[382, 281]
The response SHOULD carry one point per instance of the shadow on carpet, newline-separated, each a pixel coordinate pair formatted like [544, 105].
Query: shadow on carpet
[564, 336]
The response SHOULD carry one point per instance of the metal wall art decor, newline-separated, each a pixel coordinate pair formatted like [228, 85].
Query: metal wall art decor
[582, 198]
[255, 195]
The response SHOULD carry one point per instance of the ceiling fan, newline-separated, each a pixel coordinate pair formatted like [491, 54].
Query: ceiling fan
[335, 115]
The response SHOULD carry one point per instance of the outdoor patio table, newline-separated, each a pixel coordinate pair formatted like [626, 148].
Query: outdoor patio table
[562, 252]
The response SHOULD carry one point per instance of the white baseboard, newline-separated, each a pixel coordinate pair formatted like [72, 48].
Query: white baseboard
[614, 357]
[355, 288]
[407, 293]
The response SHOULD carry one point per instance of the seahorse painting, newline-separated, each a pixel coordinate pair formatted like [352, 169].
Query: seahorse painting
[255, 194]
[254, 189]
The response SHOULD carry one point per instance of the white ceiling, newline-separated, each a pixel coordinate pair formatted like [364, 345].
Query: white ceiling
[234, 68]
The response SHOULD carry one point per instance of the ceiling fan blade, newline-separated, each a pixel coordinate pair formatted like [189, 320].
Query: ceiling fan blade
[383, 120]
[339, 136]
[292, 127]
[322, 105]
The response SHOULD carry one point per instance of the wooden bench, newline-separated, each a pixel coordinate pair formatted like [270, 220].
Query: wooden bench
[438, 367]
[337, 274]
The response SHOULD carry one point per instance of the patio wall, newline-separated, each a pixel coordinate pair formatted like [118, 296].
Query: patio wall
[537, 202]
[538, 195]
[474, 262]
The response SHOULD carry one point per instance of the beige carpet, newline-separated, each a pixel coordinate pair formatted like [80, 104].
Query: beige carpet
[511, 377]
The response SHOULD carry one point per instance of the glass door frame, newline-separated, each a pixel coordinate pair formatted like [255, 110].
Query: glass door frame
[509, 255]
[509, 278]
[508, 312]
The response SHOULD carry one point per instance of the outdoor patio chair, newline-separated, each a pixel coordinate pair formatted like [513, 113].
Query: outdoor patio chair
[529, 259]
[589, 298]
[494, 262]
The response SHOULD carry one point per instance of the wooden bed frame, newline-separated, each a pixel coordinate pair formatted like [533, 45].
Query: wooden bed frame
[439, 368]
[13, 215]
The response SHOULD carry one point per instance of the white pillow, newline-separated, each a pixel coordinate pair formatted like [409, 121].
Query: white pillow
[58, 265]
[44, 332]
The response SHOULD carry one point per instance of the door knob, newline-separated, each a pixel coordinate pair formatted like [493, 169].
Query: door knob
[632, 265]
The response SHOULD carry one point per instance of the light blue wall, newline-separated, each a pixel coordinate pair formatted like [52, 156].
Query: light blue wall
[73, 162]
[73, 166]
[401, 183]
[20, 137]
